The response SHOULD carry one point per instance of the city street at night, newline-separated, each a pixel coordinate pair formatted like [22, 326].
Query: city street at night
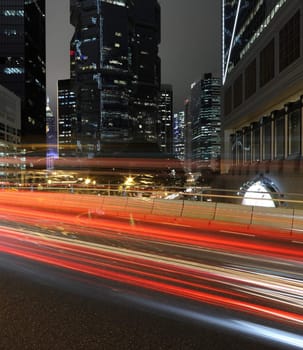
[151, 175]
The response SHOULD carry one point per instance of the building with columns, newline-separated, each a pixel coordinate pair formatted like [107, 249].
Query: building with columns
[262, 129]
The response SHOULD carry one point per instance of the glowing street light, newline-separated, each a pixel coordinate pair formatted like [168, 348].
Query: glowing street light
[87, 181]
[129, 181]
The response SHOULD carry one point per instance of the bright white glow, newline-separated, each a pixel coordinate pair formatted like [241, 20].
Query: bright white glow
[278, 336]
[258, 195]
[259, 332]
[223, 39]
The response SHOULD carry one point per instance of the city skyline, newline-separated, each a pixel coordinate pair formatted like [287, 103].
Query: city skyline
[183, 60]
[126, 224]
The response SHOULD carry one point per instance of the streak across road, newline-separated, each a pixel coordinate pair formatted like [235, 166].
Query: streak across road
[256, 278]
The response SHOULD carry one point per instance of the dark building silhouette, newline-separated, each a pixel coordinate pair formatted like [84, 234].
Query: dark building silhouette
[146, 71]
[22, 63]
[101, 70]
[116, 71]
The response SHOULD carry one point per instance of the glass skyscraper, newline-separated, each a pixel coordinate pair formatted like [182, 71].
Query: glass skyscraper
[67, 117]
[179, 135]
[146, 72]
[115, 67]
[205, 104]
[165, 120]
[22, 62]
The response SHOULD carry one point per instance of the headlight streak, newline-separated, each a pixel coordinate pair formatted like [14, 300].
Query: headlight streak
[275, 335]
[274, 296]
[258, 331]
[83, 260]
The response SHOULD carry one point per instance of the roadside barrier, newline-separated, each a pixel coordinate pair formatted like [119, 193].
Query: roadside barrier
[285, 221]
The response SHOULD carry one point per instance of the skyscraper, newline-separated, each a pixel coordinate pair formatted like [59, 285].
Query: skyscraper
[10, 122]
[187, 136]
[146, 72]
[179, 135]
[165, 119]
[206, 122]
[113, 63]
[51, 138]
[67, 117]
[22, 62]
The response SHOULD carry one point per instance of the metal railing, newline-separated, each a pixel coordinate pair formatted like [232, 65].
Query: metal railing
[200, 194]
[211, 208]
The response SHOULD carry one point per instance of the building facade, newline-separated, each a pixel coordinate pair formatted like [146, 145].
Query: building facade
[262, 93]
[165, 119]
[22, 63]
[187, 136]
[11, 161]
[67, 118]
[146, 71]
[51, 137]
[113, 64]
[179, 135]
[205, 110]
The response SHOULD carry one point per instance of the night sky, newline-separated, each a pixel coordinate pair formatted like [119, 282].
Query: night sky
[190, 43]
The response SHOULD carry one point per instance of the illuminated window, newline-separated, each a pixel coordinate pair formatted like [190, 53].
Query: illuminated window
[13, 13]
[10, 32]
[13, 70]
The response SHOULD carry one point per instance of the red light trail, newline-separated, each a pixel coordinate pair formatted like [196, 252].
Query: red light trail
[238, 287]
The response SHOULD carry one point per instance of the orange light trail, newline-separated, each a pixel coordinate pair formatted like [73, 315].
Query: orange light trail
[165, 275]
[228, 287]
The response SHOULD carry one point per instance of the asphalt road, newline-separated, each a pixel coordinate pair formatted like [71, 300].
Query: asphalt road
[45, 308]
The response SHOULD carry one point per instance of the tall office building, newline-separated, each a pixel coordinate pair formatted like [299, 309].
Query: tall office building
[113, 63]
[206, 122]
[10, 124]
[262, 93]
[67, 118]
[22, 63]
[51, 138]
[146, 74]
[165, 119]
[179, 135]
[187, 136]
